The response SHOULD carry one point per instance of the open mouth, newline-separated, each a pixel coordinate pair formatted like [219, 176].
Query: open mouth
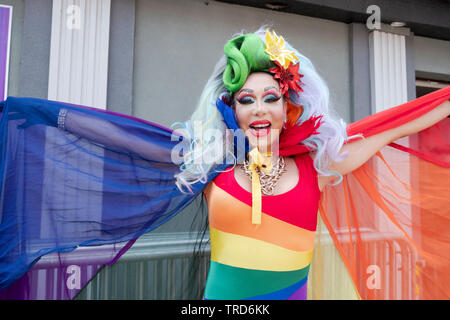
[260, 128]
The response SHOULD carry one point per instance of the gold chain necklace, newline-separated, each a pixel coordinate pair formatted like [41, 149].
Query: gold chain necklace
[268, 180]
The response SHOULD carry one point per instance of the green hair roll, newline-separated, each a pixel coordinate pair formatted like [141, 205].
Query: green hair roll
[245, 54]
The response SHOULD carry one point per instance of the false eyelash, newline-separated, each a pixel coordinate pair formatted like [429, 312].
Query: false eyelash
[242, 99]
[271, 98]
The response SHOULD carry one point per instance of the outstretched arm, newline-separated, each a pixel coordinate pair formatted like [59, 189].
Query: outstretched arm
[151, 142]
[362, 150]
[108, 134]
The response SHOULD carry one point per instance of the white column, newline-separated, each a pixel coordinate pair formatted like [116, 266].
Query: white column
[389, 89]
[387, 70]
[79, 52]
[78, 74]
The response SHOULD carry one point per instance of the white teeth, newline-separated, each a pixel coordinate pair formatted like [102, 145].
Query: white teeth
[260, 126]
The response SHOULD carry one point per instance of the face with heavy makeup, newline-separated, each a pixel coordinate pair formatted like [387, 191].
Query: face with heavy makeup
[260, 111]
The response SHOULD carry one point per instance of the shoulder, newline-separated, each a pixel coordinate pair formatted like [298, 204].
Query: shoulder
[305, 160]
[312, 155]
[322, 181]
[306, 157]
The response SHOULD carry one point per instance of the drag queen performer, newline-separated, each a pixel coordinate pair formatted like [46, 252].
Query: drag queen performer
[266, 152]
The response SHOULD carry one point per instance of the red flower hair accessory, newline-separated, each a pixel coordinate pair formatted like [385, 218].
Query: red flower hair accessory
[289, 78]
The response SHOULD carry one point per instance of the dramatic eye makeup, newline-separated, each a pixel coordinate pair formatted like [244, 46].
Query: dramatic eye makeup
[246, 98]
[271, 96]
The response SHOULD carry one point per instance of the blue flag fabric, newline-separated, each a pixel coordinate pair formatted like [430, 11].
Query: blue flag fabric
[105, 179]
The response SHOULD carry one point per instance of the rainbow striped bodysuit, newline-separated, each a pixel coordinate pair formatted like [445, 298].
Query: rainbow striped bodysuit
[266, 261]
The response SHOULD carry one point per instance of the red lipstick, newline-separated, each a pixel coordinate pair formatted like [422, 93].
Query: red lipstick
[260, 128]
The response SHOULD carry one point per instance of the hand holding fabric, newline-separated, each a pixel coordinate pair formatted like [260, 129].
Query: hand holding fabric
[33, 113]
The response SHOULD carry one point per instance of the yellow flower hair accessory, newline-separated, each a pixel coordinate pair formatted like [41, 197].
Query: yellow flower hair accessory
[276, 50]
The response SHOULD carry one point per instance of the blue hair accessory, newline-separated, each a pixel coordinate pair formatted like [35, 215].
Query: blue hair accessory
[229, 118]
